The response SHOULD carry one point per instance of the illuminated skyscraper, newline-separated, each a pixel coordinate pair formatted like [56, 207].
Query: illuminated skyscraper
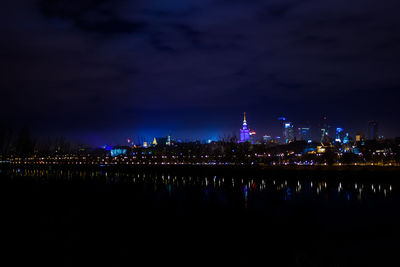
[168, 142]
[324, 130]
[339, 135]
[289, 132]
[244, 132]
[372, 130]
[305, 134]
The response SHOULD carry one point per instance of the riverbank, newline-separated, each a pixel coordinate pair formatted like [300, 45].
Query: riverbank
[349, 171]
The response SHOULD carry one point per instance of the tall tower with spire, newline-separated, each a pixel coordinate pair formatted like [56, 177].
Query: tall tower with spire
[244, 132]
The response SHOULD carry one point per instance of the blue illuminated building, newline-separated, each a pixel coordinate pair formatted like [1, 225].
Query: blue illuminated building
[339, 135]
[244, 132]
[346, 139]
[289, 132]
[118, 151]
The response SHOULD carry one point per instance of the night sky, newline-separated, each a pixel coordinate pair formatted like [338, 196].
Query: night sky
[102, 70]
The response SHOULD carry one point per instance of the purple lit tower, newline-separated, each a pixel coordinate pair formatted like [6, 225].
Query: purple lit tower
[244, 132]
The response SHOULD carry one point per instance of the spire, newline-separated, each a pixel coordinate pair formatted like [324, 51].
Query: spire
[244, 121]
[244, 132]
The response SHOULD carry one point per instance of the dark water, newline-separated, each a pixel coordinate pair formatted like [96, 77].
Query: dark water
[75, 218]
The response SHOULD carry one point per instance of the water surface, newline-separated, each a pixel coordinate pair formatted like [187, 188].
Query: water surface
[70, 218]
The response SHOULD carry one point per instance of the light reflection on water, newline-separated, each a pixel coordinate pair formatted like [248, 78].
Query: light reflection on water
[245, 188]
[313, 220]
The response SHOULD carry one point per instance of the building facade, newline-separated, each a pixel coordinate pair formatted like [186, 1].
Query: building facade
[339, 135]
[244, 132]
[289, 133]
[305, 134]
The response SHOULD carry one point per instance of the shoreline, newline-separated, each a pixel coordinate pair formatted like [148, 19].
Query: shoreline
[367, 172]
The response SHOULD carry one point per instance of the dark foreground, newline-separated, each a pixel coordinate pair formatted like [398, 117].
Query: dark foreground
[92, 218]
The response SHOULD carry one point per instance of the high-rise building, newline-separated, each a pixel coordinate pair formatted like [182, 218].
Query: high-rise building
[168, 142]
[372, 130]
[282, 119]
[324, 130]
[289, 132]
[339, 135]
[305, 134]
[244, 132]
[253, 137]
[154, 141]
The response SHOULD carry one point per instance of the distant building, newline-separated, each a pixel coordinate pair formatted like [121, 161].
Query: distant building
[289, 132]
[339, 135]
[168, 142]
[253, 137]
[305, 134]
[372, 130]
[347, 144]
[283, 120]
[244, 132]
[267, 138]
[144, 144]
[324, 130]
[154, 141]
[347, 139]
[360, 137]
[116, 151]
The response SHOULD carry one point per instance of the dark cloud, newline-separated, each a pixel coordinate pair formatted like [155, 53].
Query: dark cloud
[90, 15]
[93, 65]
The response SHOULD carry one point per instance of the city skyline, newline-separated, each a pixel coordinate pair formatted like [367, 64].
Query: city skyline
[290, 132]
[102, 70]
[306, 132]
[200, 132]
[299, 131]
